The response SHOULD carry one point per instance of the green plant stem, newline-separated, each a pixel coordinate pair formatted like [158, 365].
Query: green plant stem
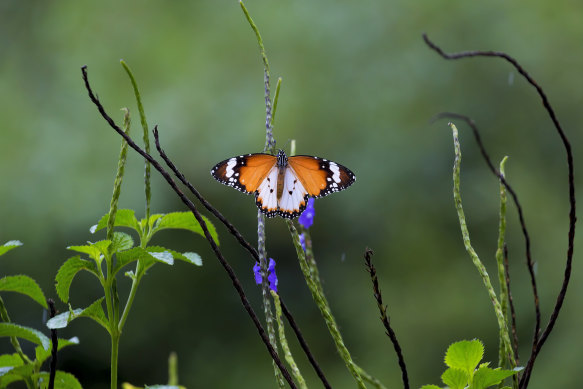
[173, 369]
[146, 137]
[504, 336]
[13, 339]
[114, 355]
[502, 357]
[322, 304]
[129, 302]
[284, 346]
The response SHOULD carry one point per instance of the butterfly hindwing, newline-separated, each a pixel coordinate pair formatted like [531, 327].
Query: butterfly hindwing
[266, 194]
[294, 196]
[320, 176]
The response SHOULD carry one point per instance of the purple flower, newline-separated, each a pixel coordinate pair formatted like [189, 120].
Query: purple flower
[303, 240]
[271, 276]
[307, 217]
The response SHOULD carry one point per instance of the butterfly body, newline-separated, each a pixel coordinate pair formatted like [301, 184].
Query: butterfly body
[282, 185]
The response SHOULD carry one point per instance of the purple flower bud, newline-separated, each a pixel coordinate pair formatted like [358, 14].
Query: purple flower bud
[303, 241]
[307, 217]
[271, 276]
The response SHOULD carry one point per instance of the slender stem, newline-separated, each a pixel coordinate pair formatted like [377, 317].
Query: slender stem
[322, 304]
[13, 339]
[473, 255]
[114, 356]
[284, 346]
[54, 348]
[146, 137]
[173, 369]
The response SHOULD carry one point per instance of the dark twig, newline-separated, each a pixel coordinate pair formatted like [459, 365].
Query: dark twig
[572, 202]
[502, 179]
[55, 343]
[511, 304]
[202, 223]
[384, 318]
[247, 246]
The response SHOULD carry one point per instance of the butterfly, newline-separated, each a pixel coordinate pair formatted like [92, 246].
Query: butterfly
[282, 184]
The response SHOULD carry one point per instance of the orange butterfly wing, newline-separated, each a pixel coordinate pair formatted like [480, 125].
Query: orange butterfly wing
[245, 172]
[319, 176]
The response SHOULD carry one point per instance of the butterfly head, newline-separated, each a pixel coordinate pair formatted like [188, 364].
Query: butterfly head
[281, 158]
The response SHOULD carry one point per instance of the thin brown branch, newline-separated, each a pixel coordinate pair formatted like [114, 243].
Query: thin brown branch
[197, 215]
[247, 246]
[571, 183]
[384, 317]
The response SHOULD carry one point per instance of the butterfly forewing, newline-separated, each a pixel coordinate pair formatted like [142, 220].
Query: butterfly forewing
[245, 172]
[320, 176]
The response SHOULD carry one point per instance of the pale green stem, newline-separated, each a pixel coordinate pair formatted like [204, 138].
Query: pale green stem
[284, 346]
[322, 304]
[173, 369]
[275, 100]
[370, 379]
[473, 255]
[265, 293]
[119, 176]
[146, 137]
[502, 356]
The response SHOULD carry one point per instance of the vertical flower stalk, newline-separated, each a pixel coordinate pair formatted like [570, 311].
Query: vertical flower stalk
[504, 336]
[284, 346]
[322, 303]
[146, 137]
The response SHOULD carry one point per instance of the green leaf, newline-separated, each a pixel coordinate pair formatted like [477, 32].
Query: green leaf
[94, 250]
[42, 354]
[121, 241]
[24, 285]
[94, 311]
[10, 360]
[11, 244]
[16, 374]
[163, 387]
[486, 376]
[63, 380]
[192, 258]
[123, 218]
[68, 271]
[137, 253]
[465, 355]
[455, 378]
[4, 370]
[184, 221]
[430, 387]
[10, 329]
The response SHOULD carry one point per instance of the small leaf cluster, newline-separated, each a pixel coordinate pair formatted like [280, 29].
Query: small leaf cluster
[18, 366]
[465, 370]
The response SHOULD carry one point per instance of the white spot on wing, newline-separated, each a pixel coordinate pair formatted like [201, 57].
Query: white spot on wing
[267, 191]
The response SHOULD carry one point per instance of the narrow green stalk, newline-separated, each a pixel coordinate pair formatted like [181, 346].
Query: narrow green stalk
[13, 339]
[119, 176]
[370, 379]
[130, 301]
[146, 137]
[265, 293]
[284, 346]
[173, 369]
[114, 356]
[502, 356]
[322, 304]
[504, 336]
[275, 100]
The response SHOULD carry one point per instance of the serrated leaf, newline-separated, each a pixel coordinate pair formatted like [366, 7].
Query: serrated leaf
[42, 354]
[455, 378]
[184, 221]
[154, 218]
[123, 218]
[94, 250]
[94, 311]
[68, 271]
[16, 374]
[11, 244]
[192, 258]
[465, 355]
[486, 376]
[430, 387]
[63, 380]
[121, 241]
[137, 253]
[11, 329]
[4, 370]
[24, 285]
[11, 360]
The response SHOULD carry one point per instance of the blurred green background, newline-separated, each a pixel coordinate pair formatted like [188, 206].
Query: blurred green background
[359, 87]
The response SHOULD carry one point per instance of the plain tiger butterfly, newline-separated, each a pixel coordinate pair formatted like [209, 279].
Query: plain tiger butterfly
[282, 184]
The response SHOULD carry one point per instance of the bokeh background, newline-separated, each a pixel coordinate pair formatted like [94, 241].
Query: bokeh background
[359, 87]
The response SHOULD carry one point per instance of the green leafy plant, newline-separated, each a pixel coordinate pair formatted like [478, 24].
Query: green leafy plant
[19, 366]
[106, 258]
[465, 370]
